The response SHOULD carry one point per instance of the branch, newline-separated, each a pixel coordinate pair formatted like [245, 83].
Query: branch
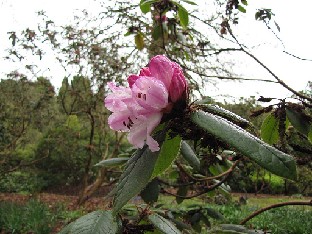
[228, 77]
[208, 188]
[281, 82]
[297, 57]
[293, 203]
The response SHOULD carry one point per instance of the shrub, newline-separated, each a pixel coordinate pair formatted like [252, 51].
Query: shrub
[33, 217]
[21, 182]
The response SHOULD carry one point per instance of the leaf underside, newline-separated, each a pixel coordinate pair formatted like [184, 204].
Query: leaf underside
[97, 222]
[162, 224]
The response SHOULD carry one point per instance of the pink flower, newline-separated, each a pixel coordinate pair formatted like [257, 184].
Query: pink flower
[139, 108]
[163, 18]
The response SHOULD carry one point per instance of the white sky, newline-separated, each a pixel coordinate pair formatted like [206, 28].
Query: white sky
[293, 18]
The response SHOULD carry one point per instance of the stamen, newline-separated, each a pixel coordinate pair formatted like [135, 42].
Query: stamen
[124, 123]
[130, 121]
[144, 97]
[139, 95]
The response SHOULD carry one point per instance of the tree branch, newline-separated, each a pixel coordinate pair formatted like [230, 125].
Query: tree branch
[292, 203]
[281, 82]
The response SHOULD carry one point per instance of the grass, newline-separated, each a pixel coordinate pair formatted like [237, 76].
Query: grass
[37, 218]
[34, 217]
[284, 220]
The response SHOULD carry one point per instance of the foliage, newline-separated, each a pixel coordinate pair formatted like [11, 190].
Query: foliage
[280, 220]
[21, 182]
[33, 217]
[216, 143]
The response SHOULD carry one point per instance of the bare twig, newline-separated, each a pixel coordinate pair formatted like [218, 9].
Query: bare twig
[281, 82]
[292, 203]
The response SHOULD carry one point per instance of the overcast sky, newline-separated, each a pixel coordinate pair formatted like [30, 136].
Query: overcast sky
[293, 18]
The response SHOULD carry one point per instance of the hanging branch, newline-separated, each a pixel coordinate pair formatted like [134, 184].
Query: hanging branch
[292, 203]
[281, 82]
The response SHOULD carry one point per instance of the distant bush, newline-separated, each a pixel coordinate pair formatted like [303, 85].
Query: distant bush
[21, 182]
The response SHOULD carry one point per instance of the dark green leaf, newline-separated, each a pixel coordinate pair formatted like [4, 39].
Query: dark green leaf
[265, 155]
[213, 213]
[127, 34]
[257, 15]
[97, 222]
[299, 120]
[189, 155]
[183, 16]
[145, 5]
[182, 191]
[217, 110]
[241, 9]
[156, 32]
[205, 221]
[310, 135]
[244, 2]
[139, 41]
[151, 192]
[269, 129]
[163, 225]
[195, 221]
[168, 153]
[112, 162]
[136, 176]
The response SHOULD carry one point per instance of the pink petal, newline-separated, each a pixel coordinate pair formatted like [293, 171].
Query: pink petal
[150, 93]
[145, 72]
[118, 100]
[178, 84]
[142, 130]
[131, 79]
[160, 68]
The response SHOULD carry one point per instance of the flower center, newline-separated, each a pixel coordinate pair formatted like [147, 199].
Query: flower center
[142, 95]
[129, 124]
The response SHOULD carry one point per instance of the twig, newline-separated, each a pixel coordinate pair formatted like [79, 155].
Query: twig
[292, 203]
[297, 57]
[208, 188]
[281, 82]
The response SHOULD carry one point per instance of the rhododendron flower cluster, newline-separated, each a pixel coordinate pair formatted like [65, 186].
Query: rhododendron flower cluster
[139, 108]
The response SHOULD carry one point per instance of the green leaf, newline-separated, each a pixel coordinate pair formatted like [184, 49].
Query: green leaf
[241, 9]
[151, 192]
[156, 32]
[163, 225]
[139, 41]
[168, 153]
[310, 135]
[213, 213]
[244, 2]
[189, 155]
[217, 110]
[97, 222]
[127, 34]
[183, 16]
[112, 162]
[145, 5]
[299, 120]
[265, 155]
[269, 129]
[136, 176]
[182, 191]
